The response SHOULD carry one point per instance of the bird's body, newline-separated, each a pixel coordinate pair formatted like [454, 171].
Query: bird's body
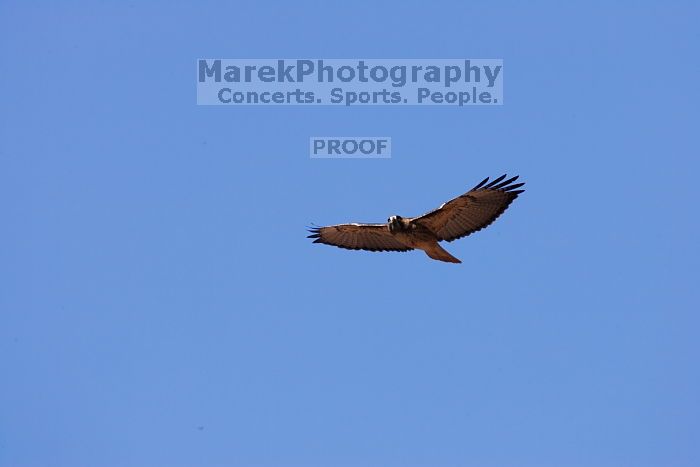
[457, 218]
[419, 237]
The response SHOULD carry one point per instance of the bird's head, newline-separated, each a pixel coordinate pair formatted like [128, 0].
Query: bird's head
[394, 223]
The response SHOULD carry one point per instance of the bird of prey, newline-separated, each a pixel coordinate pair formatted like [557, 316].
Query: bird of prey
[457, 218]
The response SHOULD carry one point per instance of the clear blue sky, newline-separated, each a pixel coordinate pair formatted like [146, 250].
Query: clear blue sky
[161, 306]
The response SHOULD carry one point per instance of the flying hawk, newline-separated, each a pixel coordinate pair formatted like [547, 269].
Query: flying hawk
[457, 218]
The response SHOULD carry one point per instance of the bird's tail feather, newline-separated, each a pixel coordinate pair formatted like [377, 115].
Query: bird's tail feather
[439, 253]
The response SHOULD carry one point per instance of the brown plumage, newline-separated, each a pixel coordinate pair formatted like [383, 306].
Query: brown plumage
[457, 218]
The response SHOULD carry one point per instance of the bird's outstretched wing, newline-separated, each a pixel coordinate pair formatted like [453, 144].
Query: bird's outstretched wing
[473, 210]
[372, 237]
